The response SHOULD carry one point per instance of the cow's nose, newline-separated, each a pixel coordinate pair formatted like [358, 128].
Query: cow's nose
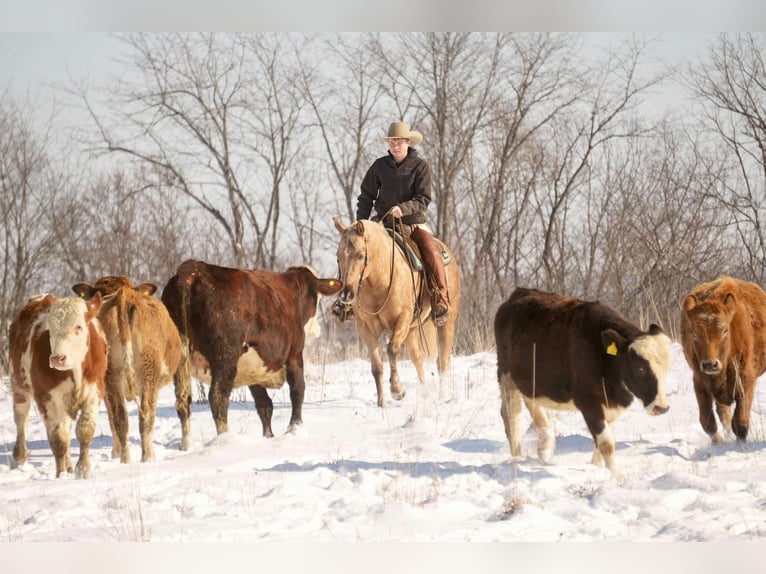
[710, 367]
[659, 410]
[57, 361]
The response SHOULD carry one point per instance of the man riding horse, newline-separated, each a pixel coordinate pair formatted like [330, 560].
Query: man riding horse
[398, 186]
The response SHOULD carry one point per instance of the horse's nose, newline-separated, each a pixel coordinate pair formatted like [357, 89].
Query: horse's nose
[347, 295]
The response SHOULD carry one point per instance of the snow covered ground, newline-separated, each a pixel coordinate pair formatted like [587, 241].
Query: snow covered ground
[434, 467]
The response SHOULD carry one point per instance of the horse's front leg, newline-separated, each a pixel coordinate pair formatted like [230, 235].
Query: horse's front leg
[376, 362]
[393, 349]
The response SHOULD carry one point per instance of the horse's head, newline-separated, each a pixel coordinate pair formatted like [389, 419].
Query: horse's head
[353, 258]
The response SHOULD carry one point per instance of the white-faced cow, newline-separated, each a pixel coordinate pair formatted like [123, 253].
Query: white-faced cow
[144, 354]
[562, 352]
[246, 327]
[58, 359]
[723, 334]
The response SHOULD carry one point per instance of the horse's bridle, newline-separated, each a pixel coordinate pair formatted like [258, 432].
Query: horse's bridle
[363, 276]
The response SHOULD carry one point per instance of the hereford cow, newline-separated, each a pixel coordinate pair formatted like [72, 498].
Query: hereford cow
[723, 334]
[144, 354]
[58, 358]
[246, 327]
[565, 353]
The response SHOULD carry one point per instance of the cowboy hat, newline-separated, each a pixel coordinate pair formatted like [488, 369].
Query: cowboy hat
[399, 130]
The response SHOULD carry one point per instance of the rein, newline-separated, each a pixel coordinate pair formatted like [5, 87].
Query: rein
[364, 276]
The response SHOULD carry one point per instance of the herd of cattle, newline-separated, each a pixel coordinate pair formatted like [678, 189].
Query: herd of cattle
[232, 327]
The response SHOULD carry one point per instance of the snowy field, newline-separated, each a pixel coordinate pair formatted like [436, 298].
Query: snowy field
[434, 467]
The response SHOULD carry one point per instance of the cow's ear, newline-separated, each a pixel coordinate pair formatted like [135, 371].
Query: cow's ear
[94, 303]
[655, 329]
[730, 301]
[690, 303]
[613, 342]
[147, 288]
[329, 286]
[83, 290]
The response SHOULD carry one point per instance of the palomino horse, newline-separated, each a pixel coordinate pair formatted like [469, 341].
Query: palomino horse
[384, 294]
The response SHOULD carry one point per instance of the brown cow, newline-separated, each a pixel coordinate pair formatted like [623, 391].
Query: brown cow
[144, 354]
[562, 352]
[58, 358]
[723, 334]
[246, 327]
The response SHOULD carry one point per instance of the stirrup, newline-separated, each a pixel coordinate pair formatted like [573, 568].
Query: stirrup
[440, 311]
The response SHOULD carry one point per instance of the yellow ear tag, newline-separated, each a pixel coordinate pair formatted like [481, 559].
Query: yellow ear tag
[332, 283]
[611, 349]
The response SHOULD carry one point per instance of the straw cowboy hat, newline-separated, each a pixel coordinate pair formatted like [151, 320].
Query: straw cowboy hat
[402, 130]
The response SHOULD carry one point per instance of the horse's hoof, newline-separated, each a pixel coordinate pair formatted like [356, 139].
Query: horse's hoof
[398, 395]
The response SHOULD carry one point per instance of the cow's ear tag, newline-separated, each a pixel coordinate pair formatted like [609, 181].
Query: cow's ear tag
[332, 283]
[611, 349]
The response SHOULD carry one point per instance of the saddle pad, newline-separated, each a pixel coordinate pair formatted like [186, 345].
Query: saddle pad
[413, 256]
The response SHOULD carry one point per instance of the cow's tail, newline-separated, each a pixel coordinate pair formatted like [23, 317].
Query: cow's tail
[125, 314]
[177, 303]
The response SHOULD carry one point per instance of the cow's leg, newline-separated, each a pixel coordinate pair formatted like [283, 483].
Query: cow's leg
[58, 438]
[740, 423]
[264, 407]
[376, 362]
[297, 383]
[21, 406]
[705, 405]
[146, 415]
[182, 386]
[510, 411]
[118, 419]
[221, 384]
[546, 438]
[86, 427]
[724, 416]
[604, 446]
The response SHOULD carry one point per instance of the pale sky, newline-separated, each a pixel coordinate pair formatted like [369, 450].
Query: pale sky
[31, 59]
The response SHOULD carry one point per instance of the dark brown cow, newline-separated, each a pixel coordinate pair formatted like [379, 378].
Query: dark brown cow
[144, 354]
[723, 334]
[246, 327]
[562, 352]
[58, 358]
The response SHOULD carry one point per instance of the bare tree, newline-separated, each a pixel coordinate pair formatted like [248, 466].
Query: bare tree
[30, 191]
[536, 83]
[731, 86]
[345, 94]
[216, 118]
[444, 81]
[127, 226]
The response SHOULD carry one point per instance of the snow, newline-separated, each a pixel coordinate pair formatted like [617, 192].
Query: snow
[434, 467]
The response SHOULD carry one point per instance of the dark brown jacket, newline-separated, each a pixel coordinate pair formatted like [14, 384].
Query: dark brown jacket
[386, 184]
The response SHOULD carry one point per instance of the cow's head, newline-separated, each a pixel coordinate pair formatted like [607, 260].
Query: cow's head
[109, 285]
[316, 287]
[67, 325]
[644, 363]
[708, 328]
